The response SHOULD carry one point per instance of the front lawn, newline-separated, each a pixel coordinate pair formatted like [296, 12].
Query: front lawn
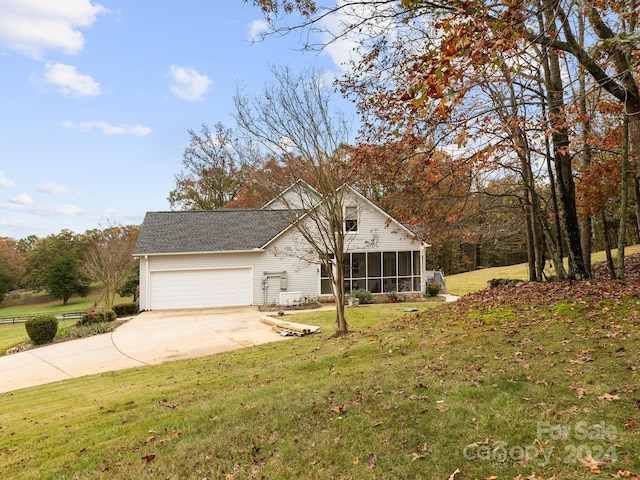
[527, 390]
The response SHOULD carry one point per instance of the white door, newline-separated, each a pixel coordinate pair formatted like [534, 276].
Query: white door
[201, 288]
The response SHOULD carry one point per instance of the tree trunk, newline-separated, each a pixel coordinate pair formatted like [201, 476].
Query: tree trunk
[338, 288]
[636, 189]
[607, 244]
[531, 255]
[564, 171]
[553, 239]
[586, 227]
[624, 200]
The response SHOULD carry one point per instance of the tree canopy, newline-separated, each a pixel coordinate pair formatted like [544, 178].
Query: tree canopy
[212, 169]
[517, 87]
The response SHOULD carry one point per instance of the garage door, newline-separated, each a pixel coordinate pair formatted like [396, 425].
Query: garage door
[201, 288]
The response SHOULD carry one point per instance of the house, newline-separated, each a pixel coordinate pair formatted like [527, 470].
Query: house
[236, 257]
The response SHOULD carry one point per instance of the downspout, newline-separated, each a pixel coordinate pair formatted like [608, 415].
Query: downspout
[423, 267]
[147, 278]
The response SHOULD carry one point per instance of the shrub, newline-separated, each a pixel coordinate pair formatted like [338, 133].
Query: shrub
[89, 330]
[433, 289]
[392, 297]
[503, 282]
[126, 309]
[96, 316]
[363, 296]
[42, 329]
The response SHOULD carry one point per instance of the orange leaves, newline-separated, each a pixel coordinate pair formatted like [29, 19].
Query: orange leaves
[592, 464]
[596, 184]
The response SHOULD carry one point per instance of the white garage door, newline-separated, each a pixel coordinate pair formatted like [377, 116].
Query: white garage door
[201, 288]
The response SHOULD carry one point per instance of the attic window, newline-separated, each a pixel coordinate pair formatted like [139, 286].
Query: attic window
[351, 220]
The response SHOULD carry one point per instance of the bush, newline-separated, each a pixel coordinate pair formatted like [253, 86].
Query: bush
[96, 316]
[433, 289]
[503, 282]
[42, 329]
[126, 309]
[364, 296]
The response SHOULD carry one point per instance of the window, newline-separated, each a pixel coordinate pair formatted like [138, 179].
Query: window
[351, 220]
[378, 272]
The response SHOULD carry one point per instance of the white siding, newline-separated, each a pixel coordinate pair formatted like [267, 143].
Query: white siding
[373, 232]
[298, 277]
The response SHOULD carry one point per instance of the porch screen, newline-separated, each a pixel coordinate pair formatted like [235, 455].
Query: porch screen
[378, 272]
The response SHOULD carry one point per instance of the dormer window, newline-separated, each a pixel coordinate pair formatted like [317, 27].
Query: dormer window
[351, 220]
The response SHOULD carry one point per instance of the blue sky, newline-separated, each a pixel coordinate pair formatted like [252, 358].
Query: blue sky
[98, 95]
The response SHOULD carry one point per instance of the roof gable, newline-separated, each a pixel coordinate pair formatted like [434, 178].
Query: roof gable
[402, 225]
[299, 195]
[227, 230]
[209, 231]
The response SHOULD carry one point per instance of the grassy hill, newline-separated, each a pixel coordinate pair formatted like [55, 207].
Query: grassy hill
[468, 282]
[536, 381]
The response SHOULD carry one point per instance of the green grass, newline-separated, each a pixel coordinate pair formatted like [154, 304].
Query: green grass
[75, 304]
[15, 334]
[476, 280]
[404, 396]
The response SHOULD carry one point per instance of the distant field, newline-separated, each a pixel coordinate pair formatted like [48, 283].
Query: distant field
[468, 282]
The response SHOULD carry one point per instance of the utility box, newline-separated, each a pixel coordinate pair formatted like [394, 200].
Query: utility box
[290, 298]
[283, 281]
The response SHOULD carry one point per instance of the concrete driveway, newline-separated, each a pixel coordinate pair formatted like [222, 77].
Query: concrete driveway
[149, 338]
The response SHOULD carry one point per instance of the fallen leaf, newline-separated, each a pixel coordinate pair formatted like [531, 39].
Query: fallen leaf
[626, 474]
[592, 464]
[149, 458]
[371, 461]
[580, 392]
[608, 397]
[452, 476]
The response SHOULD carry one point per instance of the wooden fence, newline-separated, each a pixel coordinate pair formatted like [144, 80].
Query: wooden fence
[23, 318]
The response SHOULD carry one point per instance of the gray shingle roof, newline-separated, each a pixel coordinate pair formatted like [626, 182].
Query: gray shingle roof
[209, 231]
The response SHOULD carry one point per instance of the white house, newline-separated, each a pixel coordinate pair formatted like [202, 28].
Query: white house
[236, 257]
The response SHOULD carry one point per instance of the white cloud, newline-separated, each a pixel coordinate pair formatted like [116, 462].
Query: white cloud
[107, 128]
[4, 181]
[35, 26]
[189, 84]
[60, 210]
[22, 199]
[257, 30]
[24, 203]
[344, 31]
[68, 81]
[52, 188]
[140, 130]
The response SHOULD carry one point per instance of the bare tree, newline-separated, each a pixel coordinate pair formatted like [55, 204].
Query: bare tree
[109, 258]
[292, 119]
[212, 172]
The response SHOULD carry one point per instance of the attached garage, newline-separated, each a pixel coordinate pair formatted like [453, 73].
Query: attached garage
[201, 288]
